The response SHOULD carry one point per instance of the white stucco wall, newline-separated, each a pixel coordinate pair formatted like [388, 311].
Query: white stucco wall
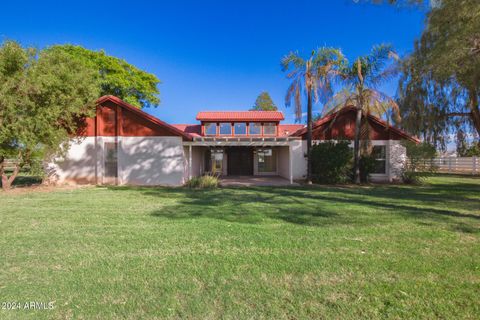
[151, 161]
[77, 165]
[198, 161]
[141, 161]
[283, 162]
[299, 161]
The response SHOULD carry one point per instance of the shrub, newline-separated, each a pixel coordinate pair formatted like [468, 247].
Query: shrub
[331, 162]
[419, 162]
[207, 181]
[472, 151]
[367, 166]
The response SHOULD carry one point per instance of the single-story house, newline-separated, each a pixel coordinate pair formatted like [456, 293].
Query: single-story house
[124, 145]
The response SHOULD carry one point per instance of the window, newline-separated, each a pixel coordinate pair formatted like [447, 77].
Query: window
[267, 161]
[110, 149]
[255, 128]
[217, 160]
[210, 129]
[269, 128]
[240, 128]
[379, 153]
[226, 128]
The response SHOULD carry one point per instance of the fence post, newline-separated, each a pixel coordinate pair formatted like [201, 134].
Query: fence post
[474, 159]
[449, 164]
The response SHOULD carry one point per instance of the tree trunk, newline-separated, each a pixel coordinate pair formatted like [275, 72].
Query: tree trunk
[7, 181]
[309, 137]
[356, 147]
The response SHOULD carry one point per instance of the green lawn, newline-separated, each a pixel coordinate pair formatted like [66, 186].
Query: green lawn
[397, 252]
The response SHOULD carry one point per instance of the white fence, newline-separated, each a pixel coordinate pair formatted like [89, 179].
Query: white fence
[462, 165]
[9, 164]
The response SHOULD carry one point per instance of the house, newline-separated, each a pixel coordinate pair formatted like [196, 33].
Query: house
[124, 145]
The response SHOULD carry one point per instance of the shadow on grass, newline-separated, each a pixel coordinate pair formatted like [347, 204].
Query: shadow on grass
[323, 205]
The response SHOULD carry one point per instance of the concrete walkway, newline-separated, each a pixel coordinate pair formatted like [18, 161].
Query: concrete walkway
[251, 181]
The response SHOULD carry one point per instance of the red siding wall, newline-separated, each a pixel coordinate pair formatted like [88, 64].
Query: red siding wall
[114, 120]
[344, 128]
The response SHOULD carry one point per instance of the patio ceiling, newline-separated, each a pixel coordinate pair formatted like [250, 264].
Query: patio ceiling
[246, 141]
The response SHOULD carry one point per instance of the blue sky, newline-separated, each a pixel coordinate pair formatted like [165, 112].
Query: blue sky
[212, 55]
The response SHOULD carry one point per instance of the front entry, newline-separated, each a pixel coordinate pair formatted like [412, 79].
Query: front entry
[240, 161]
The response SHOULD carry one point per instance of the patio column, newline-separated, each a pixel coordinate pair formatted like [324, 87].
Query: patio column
[190, 162]
[290, 163]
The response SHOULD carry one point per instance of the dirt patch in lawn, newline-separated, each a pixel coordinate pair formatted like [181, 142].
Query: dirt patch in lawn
[42, 188]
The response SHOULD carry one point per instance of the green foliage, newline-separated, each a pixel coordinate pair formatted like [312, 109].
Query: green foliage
[362, 79]
[440, 87]
[207, 181]
[367, 166]
[116, 76]
[471, 151]
[331, 162]
[420, 162]
[264, 103]
[313, 76]
[42, 97]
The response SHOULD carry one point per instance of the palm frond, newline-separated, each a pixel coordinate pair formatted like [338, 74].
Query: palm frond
[298, 101]
[340, 100]
[292, 59]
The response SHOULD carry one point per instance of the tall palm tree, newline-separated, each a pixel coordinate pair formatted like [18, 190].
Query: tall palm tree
[313, 77]
[363, 77]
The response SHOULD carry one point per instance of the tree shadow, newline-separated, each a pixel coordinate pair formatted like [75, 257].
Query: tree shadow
[245, 205]
[324, 206]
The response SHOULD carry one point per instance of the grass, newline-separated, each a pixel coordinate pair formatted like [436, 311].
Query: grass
[380, 252]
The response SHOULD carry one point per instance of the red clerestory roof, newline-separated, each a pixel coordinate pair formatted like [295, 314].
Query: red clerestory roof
[240, 116]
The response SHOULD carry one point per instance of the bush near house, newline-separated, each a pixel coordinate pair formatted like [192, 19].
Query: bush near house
[367, 166]
[207, 181]
[420, 162]
[331, 162]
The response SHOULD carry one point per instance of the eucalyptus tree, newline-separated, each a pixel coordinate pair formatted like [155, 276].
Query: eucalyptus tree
[313, 77]
[440, 85]
[362, 79]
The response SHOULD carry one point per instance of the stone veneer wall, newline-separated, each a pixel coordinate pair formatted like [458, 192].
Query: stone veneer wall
[397, 158]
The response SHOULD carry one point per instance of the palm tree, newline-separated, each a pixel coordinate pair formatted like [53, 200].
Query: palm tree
[363, 77]
[314, 77]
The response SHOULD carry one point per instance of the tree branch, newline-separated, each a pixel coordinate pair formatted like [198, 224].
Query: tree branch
[458, 114]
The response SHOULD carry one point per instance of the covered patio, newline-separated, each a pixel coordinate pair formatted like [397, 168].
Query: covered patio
[246, 161]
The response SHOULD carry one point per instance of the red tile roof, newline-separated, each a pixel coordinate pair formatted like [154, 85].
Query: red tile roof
[240, 116]
[192, 129]
[285, 130]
